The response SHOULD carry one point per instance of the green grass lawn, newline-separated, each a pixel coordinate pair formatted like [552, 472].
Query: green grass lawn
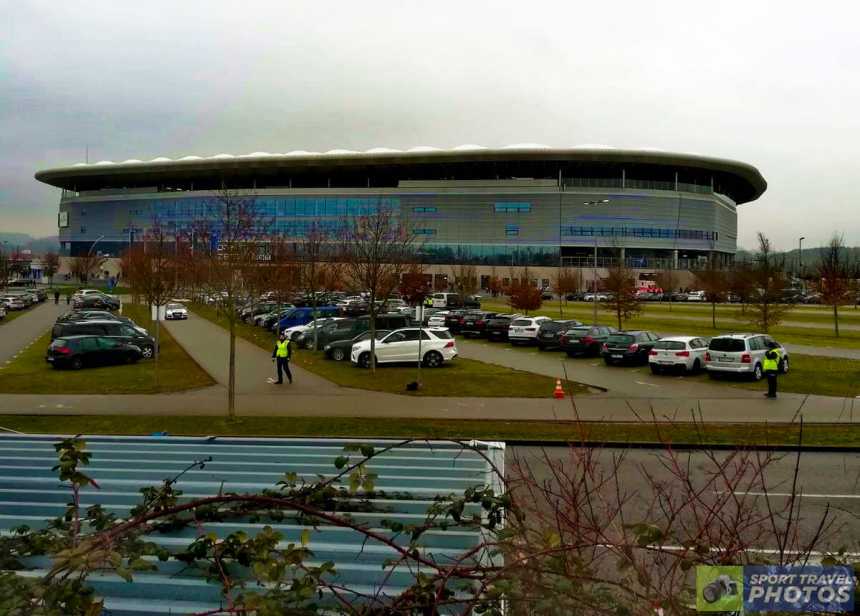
[462, 377]
[29, 373]
[656, 317]
[815, 435]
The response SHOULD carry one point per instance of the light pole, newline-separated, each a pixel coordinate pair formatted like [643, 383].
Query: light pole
[800, 260]
[594, 269]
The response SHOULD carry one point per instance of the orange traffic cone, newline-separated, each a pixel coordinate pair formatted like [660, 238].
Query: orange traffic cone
[558, 393]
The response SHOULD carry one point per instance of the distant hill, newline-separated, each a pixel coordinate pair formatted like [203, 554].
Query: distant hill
[38, 245]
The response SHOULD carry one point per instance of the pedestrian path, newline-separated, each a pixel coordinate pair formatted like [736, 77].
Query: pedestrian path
[16, 335]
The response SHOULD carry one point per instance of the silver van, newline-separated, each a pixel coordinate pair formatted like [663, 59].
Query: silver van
[742, 354]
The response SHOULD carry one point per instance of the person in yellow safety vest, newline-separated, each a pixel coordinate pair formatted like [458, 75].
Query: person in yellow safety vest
[770, 365]
[281, 355]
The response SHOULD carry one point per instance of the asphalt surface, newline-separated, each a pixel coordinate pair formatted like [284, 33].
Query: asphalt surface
[828, 483]
[24, 330]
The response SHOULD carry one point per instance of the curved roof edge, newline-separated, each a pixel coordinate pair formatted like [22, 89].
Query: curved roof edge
[64, 177]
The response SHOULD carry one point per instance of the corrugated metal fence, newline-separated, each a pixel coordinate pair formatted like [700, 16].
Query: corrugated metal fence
[31, 494]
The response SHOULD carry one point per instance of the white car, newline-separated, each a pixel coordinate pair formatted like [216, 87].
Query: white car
[524, 330]
[175, 312]
[437, 347]
[295, 333]
[685, 353]
[601, 297]
[696, 296]
[437, 319]
[742, 354]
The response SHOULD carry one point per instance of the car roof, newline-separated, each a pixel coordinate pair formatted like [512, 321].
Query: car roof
[738, 336]
[92, 322]
[680, 338]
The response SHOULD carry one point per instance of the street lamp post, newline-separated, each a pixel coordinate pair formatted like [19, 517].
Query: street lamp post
[594, 269]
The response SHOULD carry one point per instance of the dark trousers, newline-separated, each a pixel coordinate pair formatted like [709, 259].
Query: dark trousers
[284, 366]
[771, 384]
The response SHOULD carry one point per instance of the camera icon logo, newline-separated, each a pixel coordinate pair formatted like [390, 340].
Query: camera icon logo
[719, 589]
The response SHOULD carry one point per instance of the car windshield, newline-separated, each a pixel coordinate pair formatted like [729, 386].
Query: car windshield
[579, 331]
[621, 339]
[670, 345]
[444, 334]
[175, 306]
[730, 345]
[522, 322]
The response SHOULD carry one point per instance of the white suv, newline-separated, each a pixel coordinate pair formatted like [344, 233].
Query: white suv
[524, 330]
[742, 354]
[678, 352]
[437, 347]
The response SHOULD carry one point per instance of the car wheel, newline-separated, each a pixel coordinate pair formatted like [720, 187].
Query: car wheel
[308, 344]
[77, 363]
[364, 360]
[147, 352]
[757, 373]
[433, 359]
[338, 354]
[783, 366]
[696, 367]
[655, 369]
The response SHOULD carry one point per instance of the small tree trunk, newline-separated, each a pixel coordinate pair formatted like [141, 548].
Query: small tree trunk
[231, 379]
[836, 319]
[618, 314]
[157, 343]
[714, 314]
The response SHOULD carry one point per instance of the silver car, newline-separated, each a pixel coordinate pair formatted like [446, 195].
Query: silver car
[742, 354]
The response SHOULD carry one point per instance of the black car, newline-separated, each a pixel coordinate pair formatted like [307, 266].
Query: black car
[339, 350]
[77, 352]
[497, 327]
[96, 301]
[550, 331]
[585, 339]
[355, 308]
[454, 320]
[628, 347]
[89, 315]
[474, 322]
[347, 329]
[118, 330]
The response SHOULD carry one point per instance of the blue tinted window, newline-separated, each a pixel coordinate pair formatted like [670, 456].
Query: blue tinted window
[424, 231]
[423, 210]
[513, 208]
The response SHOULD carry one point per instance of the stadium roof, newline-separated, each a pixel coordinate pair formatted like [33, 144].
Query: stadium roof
[385, 166]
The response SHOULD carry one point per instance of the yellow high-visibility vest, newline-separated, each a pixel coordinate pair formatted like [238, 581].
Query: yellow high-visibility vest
[283, 348]
[771, 365]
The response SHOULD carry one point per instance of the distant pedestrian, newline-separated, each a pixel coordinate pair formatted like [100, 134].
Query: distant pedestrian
[56, 297]
[281, 356]
[771, 370]
[68, 298]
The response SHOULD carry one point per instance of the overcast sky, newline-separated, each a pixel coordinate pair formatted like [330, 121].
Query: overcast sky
[774, 84]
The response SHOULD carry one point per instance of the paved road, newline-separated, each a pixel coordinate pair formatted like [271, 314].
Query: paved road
[670, 399]
[825, 479]
[24, 330]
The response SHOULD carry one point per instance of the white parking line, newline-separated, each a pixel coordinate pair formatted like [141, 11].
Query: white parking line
[799, 494]
[644, 383]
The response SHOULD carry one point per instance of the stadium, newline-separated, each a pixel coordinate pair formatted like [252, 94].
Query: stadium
[521, 205]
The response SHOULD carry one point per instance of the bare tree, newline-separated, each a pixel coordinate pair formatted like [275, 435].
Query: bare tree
[714, 282]
[564, 282]
[741, 283]
[522, 294]
[311, 268]
[5, 268]
[464, 278]
[768, 277]
[379, 247]
[50, 266]
[667, 279]
[231, 241]
[835, 277]
[620, 283]
[84, 266]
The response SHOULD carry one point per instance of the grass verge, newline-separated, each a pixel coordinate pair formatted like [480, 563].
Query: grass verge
[29, 373]
[655, 318]
[814, 435]
[463, 377]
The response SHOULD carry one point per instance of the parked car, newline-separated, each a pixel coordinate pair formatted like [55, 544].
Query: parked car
[354, 308]
[247, 313]
[437, 346]
[742, 354]
[524, 330]
[77, 352]
[497, 327]
[340, 350]
[123, 332]
[2, 312]
[590, 297]
[13, 302]
[474, 322]
[678, 297]
[89, 315]
[96, 301]
[628, 346]
[696, 296]
[303, 335]
[175, 312]
[300, 316]
[675, 353]
[437, 319]
[454, 320]
[346, 329]
[550, 331]
[585, 339]
[447, 300]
